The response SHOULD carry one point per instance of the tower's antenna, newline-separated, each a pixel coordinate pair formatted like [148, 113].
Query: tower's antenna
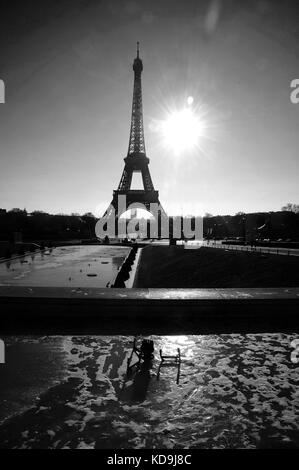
[138, 50]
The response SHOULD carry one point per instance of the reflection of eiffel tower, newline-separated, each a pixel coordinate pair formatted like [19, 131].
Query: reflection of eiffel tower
[136, 160]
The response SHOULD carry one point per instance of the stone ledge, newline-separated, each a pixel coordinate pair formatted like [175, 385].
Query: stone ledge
[29, 310]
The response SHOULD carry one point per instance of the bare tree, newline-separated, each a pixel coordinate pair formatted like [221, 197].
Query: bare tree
[291, 208]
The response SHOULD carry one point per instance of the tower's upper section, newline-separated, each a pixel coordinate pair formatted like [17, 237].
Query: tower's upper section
[138, 65]
[136, 144]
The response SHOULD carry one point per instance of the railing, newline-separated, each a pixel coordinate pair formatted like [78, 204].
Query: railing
[67, 311]
[252, 249]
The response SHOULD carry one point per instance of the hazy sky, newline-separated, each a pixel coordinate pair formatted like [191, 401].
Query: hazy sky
[64, 129]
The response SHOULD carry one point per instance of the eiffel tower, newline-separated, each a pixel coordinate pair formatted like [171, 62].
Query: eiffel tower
[136, 160]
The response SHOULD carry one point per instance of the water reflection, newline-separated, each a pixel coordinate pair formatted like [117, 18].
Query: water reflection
[170, 344]
[76, 266]
[237, 391]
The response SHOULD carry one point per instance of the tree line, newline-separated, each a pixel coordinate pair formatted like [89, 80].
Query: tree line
[40, 226]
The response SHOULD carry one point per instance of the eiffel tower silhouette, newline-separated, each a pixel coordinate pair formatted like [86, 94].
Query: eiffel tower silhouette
[136, 160]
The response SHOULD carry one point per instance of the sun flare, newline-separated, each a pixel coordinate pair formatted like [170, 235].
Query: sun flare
[182, 130]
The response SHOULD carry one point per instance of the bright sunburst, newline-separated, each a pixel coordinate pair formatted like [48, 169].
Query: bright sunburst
[182, 129]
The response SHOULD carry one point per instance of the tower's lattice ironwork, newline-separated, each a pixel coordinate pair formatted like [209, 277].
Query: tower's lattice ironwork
[136, 160]
[136, 144]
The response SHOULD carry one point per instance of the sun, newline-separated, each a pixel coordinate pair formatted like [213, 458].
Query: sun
[182, 129]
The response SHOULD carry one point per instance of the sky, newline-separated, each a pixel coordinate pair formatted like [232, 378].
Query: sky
[67, 68]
